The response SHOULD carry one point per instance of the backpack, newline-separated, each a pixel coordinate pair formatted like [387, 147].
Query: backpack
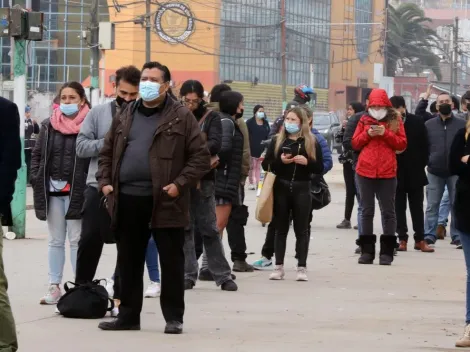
[85, 301]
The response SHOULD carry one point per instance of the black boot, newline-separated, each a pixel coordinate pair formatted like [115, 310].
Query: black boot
[367, 244]
[387, 247]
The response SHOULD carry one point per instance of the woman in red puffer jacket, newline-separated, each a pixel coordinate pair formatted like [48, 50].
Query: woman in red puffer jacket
[379, 136]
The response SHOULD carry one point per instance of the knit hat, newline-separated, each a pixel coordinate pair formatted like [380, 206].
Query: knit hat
[378, 97]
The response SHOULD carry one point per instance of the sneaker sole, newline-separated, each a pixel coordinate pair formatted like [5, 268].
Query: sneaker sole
[301, 280]
[261, 268]
[152, 296]
[276, 279]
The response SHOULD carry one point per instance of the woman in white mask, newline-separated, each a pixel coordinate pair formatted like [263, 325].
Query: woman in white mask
[379, 135]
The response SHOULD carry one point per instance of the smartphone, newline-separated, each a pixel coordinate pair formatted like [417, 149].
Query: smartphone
[374, 127]
[287, 150]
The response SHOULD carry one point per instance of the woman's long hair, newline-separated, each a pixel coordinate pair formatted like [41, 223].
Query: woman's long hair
[467, 128]
[305, 133]
[392, 120]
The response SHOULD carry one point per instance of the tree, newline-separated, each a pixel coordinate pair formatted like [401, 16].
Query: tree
[409, 41]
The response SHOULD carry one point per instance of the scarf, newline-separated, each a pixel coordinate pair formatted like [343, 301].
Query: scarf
[66, 125]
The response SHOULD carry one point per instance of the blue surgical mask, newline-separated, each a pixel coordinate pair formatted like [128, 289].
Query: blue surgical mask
[68, 109]
[149, 91]
[291, 127]
[260, 115]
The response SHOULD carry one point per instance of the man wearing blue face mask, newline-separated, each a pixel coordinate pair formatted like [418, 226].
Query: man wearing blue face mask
[152, 155]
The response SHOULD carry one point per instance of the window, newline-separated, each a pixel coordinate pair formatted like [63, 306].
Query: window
[363, 14]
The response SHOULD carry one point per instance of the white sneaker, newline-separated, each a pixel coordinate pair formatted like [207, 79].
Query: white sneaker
[110, 287]
[262, 264]
[153, 290]
[302, 274]
[52, 296]
[252, 187]
[278, 273]
[464, 341]
[114, 312]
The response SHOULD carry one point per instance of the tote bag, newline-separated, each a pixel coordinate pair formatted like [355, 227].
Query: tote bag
[265, 204]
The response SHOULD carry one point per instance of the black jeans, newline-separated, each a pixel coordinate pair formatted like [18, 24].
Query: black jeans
[416, 201]
[236, 229]
[292, 197]
[27, 160]
[349, 181]
[384, 189]
[132, 236]
[91, 242]
[268, 247]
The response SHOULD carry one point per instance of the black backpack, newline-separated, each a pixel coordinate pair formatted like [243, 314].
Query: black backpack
[85, 301]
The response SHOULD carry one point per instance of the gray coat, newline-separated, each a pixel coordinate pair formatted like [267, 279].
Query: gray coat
[441, 133]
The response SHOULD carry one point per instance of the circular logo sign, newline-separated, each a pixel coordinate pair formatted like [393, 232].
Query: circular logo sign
[174, 22]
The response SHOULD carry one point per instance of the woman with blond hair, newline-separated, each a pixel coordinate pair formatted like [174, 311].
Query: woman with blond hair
[294, 155]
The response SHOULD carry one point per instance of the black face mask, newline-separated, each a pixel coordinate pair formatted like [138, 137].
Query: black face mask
[445, 109]
[120, 100]
[239, 114]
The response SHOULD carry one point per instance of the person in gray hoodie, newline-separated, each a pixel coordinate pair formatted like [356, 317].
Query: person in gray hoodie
[441, 132]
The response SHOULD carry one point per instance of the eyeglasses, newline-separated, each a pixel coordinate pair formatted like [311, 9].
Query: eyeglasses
[191, 101]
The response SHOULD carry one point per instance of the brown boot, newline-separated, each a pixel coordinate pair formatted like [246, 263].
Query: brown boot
[403, 246]
[423, 247]
[441, 232]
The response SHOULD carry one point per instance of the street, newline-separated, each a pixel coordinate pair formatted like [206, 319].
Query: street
[417, 304]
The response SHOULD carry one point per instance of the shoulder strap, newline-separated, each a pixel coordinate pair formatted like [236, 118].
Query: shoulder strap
[203, 119]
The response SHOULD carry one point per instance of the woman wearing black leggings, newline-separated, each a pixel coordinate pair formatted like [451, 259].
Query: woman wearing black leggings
[348, 172]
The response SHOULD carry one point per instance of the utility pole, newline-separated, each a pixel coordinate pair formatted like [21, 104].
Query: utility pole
[283, 51]
[95, 52]
[148, 32]
[385, 67]
[456, 55]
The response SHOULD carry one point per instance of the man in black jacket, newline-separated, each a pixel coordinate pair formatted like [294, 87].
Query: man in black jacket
[411, 177]
[10, 162]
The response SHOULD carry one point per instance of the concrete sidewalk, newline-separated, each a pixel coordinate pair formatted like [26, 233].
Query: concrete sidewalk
[417, 304]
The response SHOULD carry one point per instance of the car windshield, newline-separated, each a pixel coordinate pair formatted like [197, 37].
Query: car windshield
[321, 119]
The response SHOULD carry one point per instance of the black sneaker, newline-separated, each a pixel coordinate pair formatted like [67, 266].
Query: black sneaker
[174, 327]
[385, 259]
[205, 275]
[188, 284]
[229, 286]
[242, 266]
[345, 224]
[357, 250]
[457, 243]
[356, 227]
[117, 325]
[429, 241]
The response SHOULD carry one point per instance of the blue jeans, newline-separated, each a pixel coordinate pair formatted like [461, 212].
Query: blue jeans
[465, 238]
[151, 258]
[444, 209]
[434, 192]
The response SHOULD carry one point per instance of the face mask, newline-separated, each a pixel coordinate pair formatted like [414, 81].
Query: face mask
[260, 115]
[445, 109]
[239, 114]
[68, 109]
[291, 127]
[378, 114]
[149, 91]
[120, 101]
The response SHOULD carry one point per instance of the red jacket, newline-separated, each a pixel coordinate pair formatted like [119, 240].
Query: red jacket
[377, 158]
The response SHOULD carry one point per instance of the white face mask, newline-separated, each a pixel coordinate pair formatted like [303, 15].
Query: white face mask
[378, 114]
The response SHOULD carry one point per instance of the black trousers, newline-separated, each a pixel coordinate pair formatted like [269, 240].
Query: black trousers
[132, 236]
[268, 247]
[349, 181]
[236, 229]
[292, 197]
[91, 242]
[416, 201]
[27, 159]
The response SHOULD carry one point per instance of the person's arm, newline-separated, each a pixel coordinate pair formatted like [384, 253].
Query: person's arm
[271, 161]
[326, 153]
[361, 136]
[228, 129]
[349, 132]
[457, 151]
[246, 161]
[316, 166]
[424, 149]
[11, 154]
[35, 127]
[421, 108]
[197, 157]
[397, 141]
[36, 154]
[214, 134]
[88, 145]
[105, 160]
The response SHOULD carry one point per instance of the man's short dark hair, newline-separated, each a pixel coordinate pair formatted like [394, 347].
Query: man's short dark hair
[129, 74]
[217, 91]
[155, 64]
[466, 96]
[229, 101]
[192, 86]
[398, 101]
[456, 102]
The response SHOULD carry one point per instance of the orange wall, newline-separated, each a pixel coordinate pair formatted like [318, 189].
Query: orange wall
[183, 62]
[345, 68]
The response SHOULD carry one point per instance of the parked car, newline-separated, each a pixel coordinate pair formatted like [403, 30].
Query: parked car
[327, 123]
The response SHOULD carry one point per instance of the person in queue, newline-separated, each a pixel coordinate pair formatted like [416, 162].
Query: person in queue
[151, 156]
[31, 128]
[346, 160]
[58, 177]
[202, 210]
[380, 132]
[441, 132]
[459, 166]
[411, 178]
[294, 155]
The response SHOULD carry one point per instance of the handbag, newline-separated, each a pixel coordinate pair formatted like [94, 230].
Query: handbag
[265, 203]
[321, 195]
[85, 301]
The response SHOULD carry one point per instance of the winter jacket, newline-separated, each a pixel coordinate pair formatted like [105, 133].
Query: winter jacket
[276, 126]
[258, 133]
[326, 152]
[54, 156]
[441, 133]
[178, 155]
[229, 170]
[459, 148]
[377, 158]
[351, 126]
[412, 162]
[10, 157]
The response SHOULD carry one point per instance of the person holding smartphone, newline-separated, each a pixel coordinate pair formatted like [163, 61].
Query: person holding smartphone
[379, 136]
[293, 156]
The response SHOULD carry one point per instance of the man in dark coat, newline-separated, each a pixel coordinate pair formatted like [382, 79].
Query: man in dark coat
[411, 178]
[10, 162]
